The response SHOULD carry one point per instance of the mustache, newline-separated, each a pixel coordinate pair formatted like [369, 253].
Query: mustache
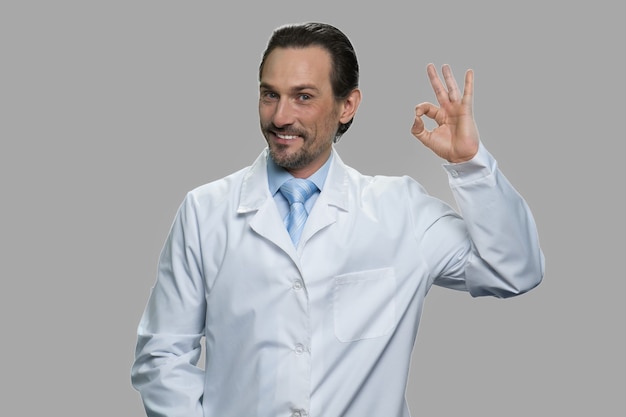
[271, 127]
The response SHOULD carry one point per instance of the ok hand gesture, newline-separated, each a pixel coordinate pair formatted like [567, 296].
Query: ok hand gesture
[456, 136]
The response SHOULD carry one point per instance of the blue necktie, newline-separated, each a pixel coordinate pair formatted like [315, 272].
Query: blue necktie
[297, 191]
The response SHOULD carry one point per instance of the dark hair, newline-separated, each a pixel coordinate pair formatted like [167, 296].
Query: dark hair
[344, 76]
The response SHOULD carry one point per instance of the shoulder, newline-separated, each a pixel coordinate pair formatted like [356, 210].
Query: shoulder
[218, 191]
[378, 185]
[397, 196]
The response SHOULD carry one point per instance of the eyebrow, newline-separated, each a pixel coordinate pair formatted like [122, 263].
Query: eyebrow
[295, 88]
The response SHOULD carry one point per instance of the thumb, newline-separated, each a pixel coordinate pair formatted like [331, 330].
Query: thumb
[418, 129]
[418, 126]
[423, 109]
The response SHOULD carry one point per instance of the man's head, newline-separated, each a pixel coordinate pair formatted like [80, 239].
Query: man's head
[344, 76]
[308, 93]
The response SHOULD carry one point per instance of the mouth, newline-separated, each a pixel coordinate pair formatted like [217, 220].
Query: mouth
[284, 138]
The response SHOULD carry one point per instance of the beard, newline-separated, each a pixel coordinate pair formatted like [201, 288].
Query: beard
[281, 154]
[292, 160]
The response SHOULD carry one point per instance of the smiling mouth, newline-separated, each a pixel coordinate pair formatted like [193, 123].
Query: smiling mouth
[286, 137]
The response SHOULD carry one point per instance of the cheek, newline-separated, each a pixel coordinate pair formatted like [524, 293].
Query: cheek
[315, 118]
[264, 115]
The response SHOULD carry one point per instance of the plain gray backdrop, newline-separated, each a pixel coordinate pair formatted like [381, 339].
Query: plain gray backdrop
[111, 111]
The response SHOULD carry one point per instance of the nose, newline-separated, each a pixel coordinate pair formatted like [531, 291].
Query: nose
[284, 114]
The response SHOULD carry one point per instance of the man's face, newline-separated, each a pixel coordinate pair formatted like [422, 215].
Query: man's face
[297, 109]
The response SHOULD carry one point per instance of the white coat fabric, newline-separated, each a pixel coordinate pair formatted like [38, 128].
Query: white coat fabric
[325, 329]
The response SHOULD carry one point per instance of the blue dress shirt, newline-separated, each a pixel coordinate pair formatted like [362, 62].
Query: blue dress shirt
[276, 176]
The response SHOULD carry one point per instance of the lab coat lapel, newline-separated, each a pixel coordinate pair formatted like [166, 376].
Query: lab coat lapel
[255, 197]
[333, 198]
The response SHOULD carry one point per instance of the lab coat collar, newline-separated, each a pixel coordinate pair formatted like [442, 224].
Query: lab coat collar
[256, 197]
[255, 192]
[254, 189]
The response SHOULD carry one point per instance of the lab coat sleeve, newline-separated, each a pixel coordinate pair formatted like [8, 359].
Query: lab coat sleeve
[165, 370]
[502, 256]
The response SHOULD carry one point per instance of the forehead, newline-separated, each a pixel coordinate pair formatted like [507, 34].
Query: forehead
[297, 66]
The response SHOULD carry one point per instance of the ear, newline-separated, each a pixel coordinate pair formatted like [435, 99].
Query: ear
[350, 106]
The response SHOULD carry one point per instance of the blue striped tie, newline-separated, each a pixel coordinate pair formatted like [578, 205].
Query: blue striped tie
[297, 191]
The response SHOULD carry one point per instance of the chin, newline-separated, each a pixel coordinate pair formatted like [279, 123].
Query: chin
[287, 160]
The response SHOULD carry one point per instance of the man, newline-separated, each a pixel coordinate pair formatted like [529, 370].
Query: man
[322, 322]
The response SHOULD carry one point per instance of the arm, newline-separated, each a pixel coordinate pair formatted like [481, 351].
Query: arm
[170, 331]
[502, 256]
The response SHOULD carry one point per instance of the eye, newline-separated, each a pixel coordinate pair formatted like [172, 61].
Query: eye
[269, 95]
[304, 97]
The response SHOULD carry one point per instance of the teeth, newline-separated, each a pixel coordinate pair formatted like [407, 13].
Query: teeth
[286, 136]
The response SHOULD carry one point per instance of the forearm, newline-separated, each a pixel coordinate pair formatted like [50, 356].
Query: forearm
[506, 259]
[166, 374]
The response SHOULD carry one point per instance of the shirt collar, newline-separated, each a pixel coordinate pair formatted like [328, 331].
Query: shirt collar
[276, 175]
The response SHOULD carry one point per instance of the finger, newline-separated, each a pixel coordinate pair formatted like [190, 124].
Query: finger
[419, 131]
[427, 109]
[440, 91]
[468, 89]
[418, 126]
[454, 93]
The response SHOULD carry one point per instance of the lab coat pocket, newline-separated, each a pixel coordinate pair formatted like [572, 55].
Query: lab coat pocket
[364, 305]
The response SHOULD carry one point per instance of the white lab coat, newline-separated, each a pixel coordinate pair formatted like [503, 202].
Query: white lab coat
[325, 329]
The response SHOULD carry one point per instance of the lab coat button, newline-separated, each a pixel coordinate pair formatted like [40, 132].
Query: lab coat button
[454, 173]
[297, 285]
[299, 349]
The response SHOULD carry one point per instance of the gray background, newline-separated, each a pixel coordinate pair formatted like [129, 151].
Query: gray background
[111, 111]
